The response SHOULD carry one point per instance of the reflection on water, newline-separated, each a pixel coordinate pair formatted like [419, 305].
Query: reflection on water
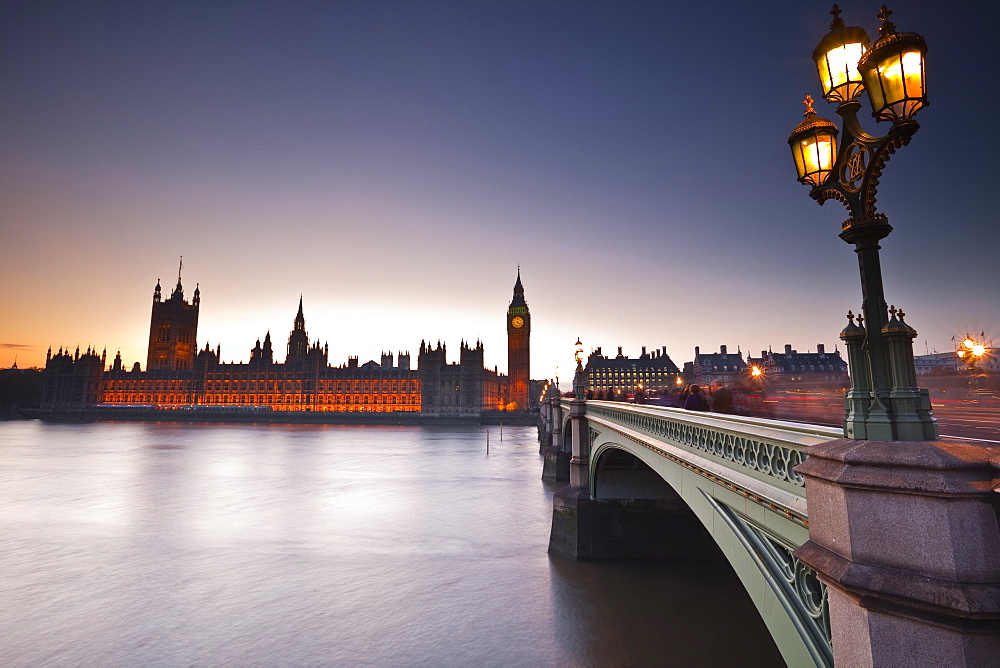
[137, 543]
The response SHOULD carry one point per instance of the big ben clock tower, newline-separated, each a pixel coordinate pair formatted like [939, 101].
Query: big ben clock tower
[518, 346]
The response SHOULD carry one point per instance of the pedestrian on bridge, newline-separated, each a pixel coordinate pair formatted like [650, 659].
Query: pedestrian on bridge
[695, 401]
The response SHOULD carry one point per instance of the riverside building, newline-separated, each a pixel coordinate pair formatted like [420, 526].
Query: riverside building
[619, 376]
[178, 376]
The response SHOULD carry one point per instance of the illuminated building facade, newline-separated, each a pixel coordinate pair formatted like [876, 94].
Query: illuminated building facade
[182, 378]
[620, 376]
[173, 330]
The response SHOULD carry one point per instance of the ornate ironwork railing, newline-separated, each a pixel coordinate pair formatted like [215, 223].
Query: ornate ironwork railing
[798, 589]
[768, 448]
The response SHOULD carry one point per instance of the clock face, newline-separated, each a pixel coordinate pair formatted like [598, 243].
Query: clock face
[517, 322]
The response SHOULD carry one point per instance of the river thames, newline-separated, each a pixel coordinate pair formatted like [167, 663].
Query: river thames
[180, 544]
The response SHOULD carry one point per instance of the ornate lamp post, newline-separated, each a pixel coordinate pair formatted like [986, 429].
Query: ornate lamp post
[883, 402]
[580, 379]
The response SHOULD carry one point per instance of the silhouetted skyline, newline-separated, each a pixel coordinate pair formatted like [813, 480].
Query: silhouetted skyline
[393, 162]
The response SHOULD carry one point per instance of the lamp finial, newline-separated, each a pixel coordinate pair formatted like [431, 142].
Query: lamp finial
[809, 105]
[887, 27]
[837, 21]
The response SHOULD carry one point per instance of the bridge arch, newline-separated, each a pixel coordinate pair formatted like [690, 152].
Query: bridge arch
[636, 457]
[618, 473]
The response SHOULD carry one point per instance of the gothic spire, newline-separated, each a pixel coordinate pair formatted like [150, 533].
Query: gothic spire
[300, 319]
[518, 299]
[178, 291]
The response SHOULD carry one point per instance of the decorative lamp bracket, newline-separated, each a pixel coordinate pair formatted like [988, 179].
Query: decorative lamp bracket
[861, 158]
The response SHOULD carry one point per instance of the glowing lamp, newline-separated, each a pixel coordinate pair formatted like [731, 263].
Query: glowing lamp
[755, 371]
[814, 147]
[837, 57]
[893, 72]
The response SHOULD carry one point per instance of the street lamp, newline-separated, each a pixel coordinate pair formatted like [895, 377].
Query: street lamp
[580, 379]
[971, 351]
[884, 402]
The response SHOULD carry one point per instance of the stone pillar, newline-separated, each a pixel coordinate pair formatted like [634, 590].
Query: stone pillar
[859, 396]
[571, 506]
[911, 405]
[557, 420]
[556, 461]
[905, 535]
[579, 463]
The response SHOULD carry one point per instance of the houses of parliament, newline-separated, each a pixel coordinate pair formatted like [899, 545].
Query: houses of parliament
[180, 376]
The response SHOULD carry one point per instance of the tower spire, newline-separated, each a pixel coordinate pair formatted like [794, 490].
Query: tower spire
[300, 319]
[179, 290]
[518, 291]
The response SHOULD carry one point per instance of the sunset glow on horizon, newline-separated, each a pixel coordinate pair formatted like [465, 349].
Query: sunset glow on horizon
[393, 163]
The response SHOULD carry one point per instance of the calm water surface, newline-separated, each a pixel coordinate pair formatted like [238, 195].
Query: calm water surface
[170, 544]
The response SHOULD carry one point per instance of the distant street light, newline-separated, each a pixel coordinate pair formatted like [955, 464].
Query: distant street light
[579, 380]
[884, 402]
[971, 351]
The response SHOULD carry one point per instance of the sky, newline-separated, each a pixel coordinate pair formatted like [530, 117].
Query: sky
[395, 162]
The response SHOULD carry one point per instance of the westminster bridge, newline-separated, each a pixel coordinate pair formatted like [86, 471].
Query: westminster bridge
[897, 564]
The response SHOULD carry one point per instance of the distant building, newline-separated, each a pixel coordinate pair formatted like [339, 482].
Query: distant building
[722, 367]
[793, 365]
[20, 388]
[652, 373]
[990, 361]
[935, 362]
[179, 376]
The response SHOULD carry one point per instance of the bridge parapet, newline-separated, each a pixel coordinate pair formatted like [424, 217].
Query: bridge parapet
[768, 450]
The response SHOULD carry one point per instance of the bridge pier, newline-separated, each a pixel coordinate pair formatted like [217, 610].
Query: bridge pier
[905, 535]
[585, 528]
[556, 456]
[647, 520]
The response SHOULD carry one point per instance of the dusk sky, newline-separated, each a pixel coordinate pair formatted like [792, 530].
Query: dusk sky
[394, 162]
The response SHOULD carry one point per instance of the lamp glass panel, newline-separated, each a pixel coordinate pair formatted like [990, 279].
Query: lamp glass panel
[800, 165]
[839, 66]
[818, 151]
[901, 78]
[913, 74]
[891, 72]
